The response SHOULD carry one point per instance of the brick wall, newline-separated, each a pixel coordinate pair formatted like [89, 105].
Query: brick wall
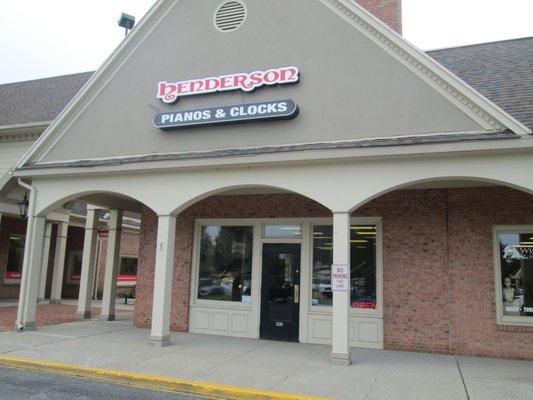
[472, 214]
[389, 11]
[415, 284]
[438, 263]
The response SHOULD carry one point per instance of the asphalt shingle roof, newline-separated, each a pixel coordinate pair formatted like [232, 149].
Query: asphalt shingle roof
[502, 71]
[39, 100]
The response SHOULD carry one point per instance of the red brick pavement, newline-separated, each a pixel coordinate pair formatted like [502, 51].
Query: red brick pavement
[47, 314]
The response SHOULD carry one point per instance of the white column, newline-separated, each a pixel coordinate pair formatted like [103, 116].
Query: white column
[45, 259]
[88, 264]
[340, 351]
[164, 265]
[112, 265]
[30, 274]
[59, 262]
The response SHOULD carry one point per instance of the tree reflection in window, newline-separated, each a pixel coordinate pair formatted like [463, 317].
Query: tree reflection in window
[225, 270]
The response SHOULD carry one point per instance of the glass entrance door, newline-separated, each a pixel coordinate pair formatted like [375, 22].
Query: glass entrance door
[280, 293]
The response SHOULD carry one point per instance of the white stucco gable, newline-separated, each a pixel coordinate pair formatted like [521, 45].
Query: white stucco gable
[412, 94]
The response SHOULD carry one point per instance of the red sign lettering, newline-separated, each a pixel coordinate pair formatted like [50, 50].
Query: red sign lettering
[170, 92]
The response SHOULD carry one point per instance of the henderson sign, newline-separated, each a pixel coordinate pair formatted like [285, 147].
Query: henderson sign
[170, 92]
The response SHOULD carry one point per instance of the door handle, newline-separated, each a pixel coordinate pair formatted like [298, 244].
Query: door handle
[296, 294]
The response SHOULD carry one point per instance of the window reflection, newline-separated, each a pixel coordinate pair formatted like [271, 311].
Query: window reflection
[516, 255]
[15, 258]
[362, 265]
[225, 263]
[283, 231]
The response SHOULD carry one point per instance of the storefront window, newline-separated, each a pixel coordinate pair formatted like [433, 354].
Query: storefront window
[74, 267]
[225, 271]
[128, 269]
[362, 265]
[15, 258]
[283, 231]
[128, 266]
[516, 261]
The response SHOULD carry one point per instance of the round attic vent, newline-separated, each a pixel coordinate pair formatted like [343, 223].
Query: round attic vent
[229, 16]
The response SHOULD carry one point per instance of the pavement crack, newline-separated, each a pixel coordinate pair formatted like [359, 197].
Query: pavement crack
[462, 379]
[9, 351]
[377, 375]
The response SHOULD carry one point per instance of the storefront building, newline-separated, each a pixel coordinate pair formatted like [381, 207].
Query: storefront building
[318, 182]
[27, 109]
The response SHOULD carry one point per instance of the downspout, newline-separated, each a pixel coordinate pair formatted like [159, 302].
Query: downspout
[27, 252]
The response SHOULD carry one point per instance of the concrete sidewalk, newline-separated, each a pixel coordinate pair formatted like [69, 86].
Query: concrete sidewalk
[279, 366]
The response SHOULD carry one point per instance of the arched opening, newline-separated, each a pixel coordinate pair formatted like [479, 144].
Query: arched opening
[81, 257]
[217, 271]
[452, 248]
[255, 261]
[243, 190]
[442, 182]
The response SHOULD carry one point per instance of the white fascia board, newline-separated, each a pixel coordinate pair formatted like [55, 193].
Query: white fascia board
[466, 98]
[520, 144]
[16, 128]
[59, 216]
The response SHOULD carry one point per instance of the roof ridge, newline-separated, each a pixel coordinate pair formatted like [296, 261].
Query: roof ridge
[479, 44]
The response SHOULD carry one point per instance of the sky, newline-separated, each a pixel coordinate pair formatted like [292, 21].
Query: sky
[42, 38]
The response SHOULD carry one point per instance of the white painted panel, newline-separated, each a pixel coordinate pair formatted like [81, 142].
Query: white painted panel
[351, 330]
[321, 328]
[239, 323]
[368, 331]
[220, 321]
[364, 331]
[200, 319]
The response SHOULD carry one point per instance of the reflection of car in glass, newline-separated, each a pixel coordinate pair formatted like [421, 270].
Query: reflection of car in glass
[209, 287]
[357, 286]
[323, 286]
[281, 294]
[247, 284]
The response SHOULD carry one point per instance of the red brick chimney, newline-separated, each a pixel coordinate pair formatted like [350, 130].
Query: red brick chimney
[389, 11]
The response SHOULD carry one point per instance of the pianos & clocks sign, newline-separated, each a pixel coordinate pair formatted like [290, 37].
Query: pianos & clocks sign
[172, 92]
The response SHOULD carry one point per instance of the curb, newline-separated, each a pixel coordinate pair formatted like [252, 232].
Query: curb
[147, 381]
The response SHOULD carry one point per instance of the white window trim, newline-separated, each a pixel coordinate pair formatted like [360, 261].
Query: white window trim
[502, 319]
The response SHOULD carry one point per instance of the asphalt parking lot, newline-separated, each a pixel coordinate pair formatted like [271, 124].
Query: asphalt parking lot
[17, 384]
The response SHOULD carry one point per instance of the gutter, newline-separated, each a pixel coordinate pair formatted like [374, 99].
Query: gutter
[25, 126]
[27, 252]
